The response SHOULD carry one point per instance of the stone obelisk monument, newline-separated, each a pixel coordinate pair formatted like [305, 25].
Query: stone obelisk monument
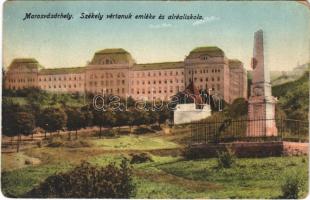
[261, 109]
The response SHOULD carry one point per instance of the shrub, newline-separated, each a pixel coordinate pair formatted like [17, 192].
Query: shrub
[39, 144]
[156, 128]
[198, 152]
[140, 158]
[123, 131]
[55, 142]
[106, 133]
[291, 186]
[28, 162]
[87, 181]
[109, 133]
[60, 142]
[77, 144]
[225, 158]
[143, 130]
[38, 130]
[190, 153]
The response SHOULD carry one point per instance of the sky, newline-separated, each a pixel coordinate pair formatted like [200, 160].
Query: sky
[226, 24]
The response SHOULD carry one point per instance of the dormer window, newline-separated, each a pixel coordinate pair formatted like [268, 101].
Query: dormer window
[106, 61]
[205, 57]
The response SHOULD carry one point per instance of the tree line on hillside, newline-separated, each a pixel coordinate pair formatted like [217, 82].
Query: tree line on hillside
[294, 98]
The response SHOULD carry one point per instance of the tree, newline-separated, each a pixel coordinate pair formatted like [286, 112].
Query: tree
[35, 107]
[164, 115]
[130, 119]
[16, 120]
[238, 108]
[88, 118]
[9, 110]
[109, 118]
[88, 115]
[130, 102]
[52, 119]
[153, 117]
[75, 120]
[121, 119]
[140, 117]
[104, 118]
[98, 120]
[24, 124]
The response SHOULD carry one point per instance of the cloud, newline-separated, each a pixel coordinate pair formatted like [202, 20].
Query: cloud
[157, 26]
[205, 20]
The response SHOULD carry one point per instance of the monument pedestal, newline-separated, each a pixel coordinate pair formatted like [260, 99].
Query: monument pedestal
[261, 121]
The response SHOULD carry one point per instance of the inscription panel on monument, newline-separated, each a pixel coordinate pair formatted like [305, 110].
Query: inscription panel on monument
[257, 110]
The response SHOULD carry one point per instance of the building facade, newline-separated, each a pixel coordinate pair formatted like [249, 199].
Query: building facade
[114, 71]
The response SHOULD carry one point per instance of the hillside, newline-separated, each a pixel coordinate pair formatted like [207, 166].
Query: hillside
[280, 77]
[294, 97]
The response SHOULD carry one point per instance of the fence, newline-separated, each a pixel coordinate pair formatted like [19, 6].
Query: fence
[236, 130]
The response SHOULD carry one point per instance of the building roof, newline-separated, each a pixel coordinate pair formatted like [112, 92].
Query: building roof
[70, 70]
[158, 66]
[112, 51]
[29, 63]
[118, 55]
[209, 50]
[25, 60]
[235, 63]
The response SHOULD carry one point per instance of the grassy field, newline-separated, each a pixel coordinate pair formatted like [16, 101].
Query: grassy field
[135, 143]
[165, 177]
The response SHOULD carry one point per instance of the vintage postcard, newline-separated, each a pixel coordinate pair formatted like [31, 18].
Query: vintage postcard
[155, 99]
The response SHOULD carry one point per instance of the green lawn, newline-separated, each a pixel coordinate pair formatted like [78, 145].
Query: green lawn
[18, 182]
[144, 142]
[248, 178]
[167, 176]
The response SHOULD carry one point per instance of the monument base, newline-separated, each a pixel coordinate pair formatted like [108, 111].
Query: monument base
[261, 118]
